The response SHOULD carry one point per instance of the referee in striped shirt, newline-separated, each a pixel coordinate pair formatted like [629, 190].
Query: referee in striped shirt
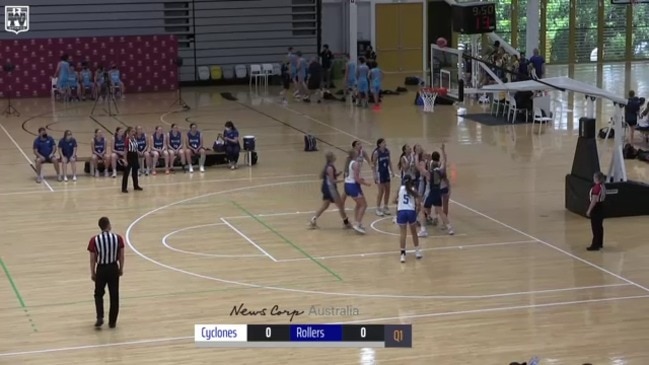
[132, 161]
[106, 251]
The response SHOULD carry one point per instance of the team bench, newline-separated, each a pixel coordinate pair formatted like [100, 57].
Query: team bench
[211, 158]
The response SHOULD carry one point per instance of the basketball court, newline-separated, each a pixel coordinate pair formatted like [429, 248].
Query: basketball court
[514, 281]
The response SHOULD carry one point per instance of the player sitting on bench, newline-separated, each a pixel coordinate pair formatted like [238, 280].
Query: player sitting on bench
[116, 81]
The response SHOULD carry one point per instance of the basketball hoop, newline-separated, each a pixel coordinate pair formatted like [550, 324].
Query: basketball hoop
[429, 95]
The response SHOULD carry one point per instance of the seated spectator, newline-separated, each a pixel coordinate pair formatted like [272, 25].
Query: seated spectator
[45, 151]
[87, 82]
[98, 150]
[73, 84]
[232, 146]
[116, 80]
[68, 152]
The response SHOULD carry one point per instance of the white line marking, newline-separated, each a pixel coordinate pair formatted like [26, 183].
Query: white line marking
[385, 319]
[373, 226]
[248, 239]
[395, 252]
[74, 189]
[575, 257]
[29, 161]
[249, 285]
[493, 219]
[167, 245]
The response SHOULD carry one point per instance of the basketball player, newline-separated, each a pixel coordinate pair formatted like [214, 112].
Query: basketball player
[175, 147]
[100, 83]
[195, 148]
[407, 206]
[86, 82]
[118, 153]
[116, 80]
[445, 185]
[73, 84]
[376, 77]
[293, 63]
[98, 150]
[158, 149]
[329, 190]
[433, 197]
[350, 79]
[353, 182]
[382, 166]
[361, 157]
[286, 81]
[302, 66]
[142, 151]
[362, 77]
[595, 211]
[68, 151]
[61, 74]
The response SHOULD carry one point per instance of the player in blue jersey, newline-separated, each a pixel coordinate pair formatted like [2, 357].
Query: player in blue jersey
[118, 150]
[142, 151]
[329, 189]
[382, 167]
[61, 74]
[194, 148]
[87, 82]
[302, 66]
[350, 78]
[158, 145]
[353, 182]
[73, 84]
[376, 78]
[445, 185]
[68, 155]
[116, 81]
[363, 82]
[408, 201]
[98, 149]
[434, 176]
[175, 147]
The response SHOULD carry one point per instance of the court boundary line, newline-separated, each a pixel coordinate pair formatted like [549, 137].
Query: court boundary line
[200, 254]
[22, 152]
[101, 188]
[20, 298]
[501, 223]
[368, 320]
[395, 252]
[248, 239]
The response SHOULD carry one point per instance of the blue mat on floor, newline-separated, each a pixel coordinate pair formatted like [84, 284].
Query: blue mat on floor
[488, 119]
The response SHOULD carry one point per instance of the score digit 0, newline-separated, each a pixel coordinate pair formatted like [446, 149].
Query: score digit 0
[363, 332]
[268, 332]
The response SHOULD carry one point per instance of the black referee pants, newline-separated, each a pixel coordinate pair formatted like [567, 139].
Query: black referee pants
[133, 167]
[597, 226]
[107, 274]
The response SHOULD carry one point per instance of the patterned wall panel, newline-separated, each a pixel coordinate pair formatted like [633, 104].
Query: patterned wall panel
[146, 63]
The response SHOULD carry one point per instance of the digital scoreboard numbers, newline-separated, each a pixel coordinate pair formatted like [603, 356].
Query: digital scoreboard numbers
[304, 335]
[474, 18]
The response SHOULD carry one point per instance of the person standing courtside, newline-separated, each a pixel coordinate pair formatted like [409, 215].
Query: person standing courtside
[106, 266]
[132, 161]
[326, 59]
[595, 212]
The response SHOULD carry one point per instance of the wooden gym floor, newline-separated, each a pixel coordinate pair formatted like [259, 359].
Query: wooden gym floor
[514, 282]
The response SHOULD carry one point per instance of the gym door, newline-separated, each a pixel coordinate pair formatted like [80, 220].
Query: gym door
[399, 37]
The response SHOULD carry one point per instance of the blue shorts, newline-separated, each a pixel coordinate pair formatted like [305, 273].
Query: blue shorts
[384, 177]
[406, 217]
[363, 86]
[301, 76]
[444, 191]
[330, 194]
[376, 88]
[433, 199]
[351, 84]
[353, 190]
[62, 83]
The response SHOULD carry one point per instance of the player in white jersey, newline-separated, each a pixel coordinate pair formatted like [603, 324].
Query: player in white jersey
[353, 182]
[407, 207]
[361, 156]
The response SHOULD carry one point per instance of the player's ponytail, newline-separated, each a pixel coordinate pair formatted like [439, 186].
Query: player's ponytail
[351, 155]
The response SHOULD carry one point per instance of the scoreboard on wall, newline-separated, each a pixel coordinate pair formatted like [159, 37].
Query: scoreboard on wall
[303, 335]
[474, 18]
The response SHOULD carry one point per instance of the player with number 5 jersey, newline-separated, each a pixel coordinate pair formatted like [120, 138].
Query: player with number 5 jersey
[407, 207]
